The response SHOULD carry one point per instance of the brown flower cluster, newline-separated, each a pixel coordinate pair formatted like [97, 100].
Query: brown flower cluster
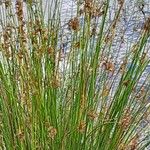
[91, 8]
[126, 82]
[19, 12]
[55, 82]
[73, 24]
[82, 126]
[52, 132]
[123, 66]
[93, 31]
[105, 91]
[140, 95]
[50, 51]
[19, 9]
[122, 146]
[6, 37]
[92, 115]
[120, 2]
[7, 3]
[147, 25]
[108, 66]
[126, 119]
[134, 142]
[20, 134]
[144, 57]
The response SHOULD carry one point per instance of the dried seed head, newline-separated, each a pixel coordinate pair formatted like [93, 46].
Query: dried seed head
[93, 9]
[105, 91]
[93, 32]
[74, 24]
[147, 25]
[7, 3]
[97, 12]
[20, 135]
[126, 120]
[52, 132]
[56, 82]
[123, 66]
[92, 115]
[20, 55]
[126, 82]
[50, 51]
[81, 11]
[122, 146]
[134, 142]
[141, 93]
[143, 58]
[83, 101]
[120, 2]
[88, 6]
[82, 126]
[109, 66]
[77, 45]
[108, 38]
[19, 12]
[19, 9]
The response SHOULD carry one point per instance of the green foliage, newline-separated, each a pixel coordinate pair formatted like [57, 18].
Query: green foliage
[75, 100]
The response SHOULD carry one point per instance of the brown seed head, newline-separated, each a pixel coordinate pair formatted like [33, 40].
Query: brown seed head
[76, 45]
[56, 82]
[141, 93]
[7, 3]
[82, 126]
[143, 58]
[147, 25]
[19, 9]
[50, 51]
[120, 2]
[52, 132]
[123, 66]
[92, 115]
[20, 135]
[74, 24]
[126, 82]
[134, 142]
[93, 32]
[105, 91]
[126, 120]
[122, 146]
[109, 66]
[88, 5]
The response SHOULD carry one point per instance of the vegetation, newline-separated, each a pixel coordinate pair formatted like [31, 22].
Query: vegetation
[76, 97]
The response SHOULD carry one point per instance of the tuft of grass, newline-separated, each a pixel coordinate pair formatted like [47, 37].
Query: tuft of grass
[75, 97]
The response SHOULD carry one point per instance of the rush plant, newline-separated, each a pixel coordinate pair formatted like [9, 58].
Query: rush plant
[77, 94]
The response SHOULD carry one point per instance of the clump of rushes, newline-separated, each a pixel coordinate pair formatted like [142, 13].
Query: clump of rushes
[78, 98]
